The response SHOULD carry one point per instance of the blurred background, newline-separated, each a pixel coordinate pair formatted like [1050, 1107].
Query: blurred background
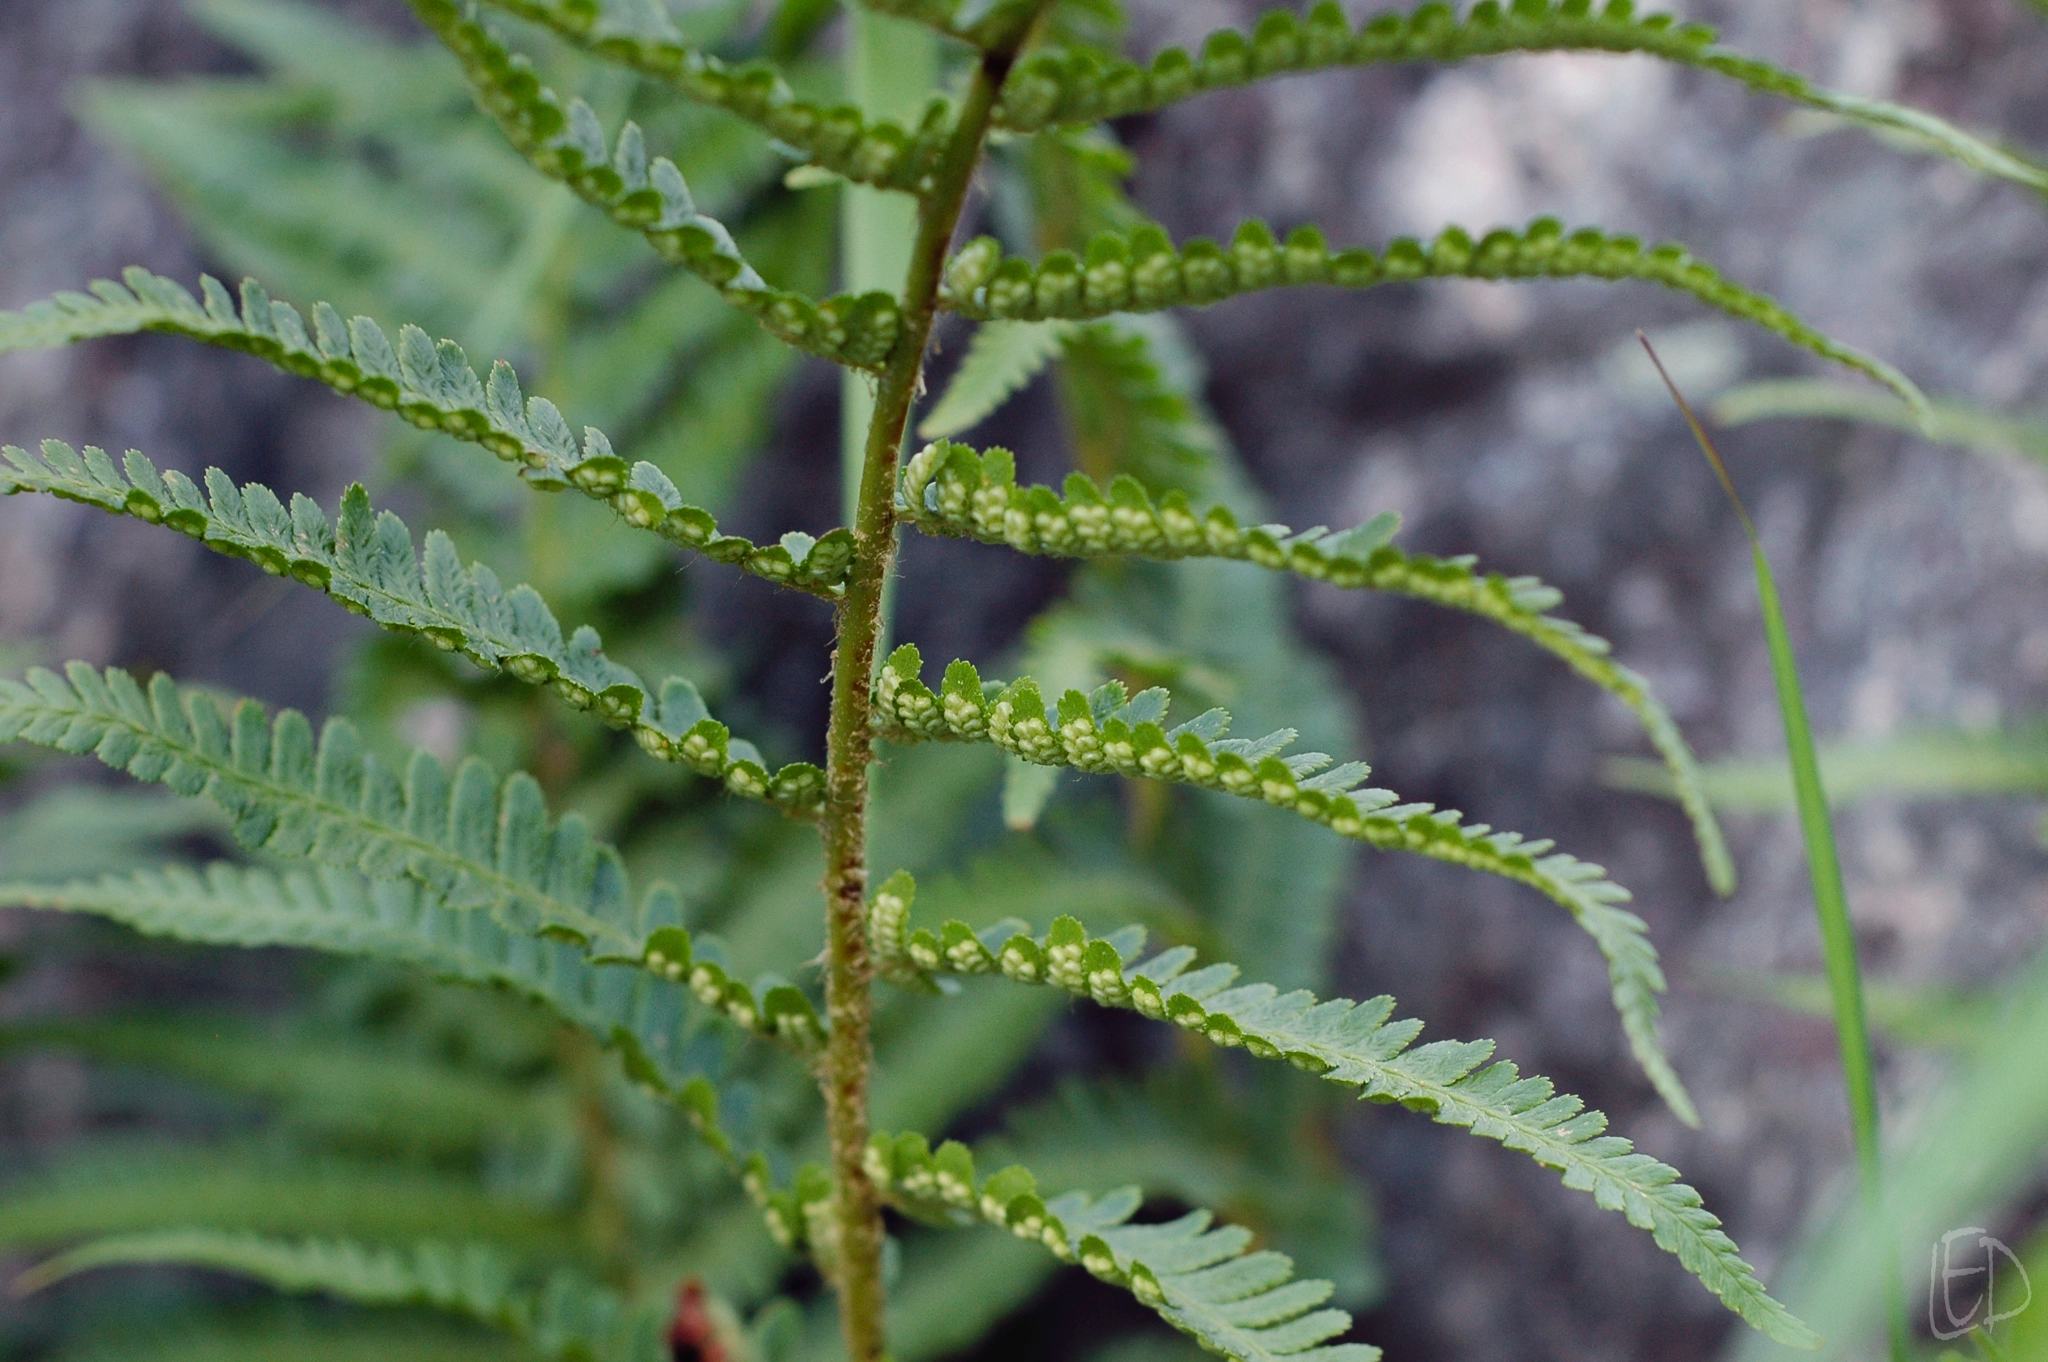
[323, 148]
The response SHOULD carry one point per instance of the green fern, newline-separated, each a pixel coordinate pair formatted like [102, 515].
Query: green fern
[1201, 1280]
[1003, 358]
[1111, 733]
[332, 1082]
[984, 23]
[947, 489]
[566, 142]
[562, 1317]
[345, 174]
[366, 561]
[1354, 1044]
[235, 1187]
[430, 385]
[1143, 272]
[1947, 422]
[290, 1339]
[475, 842]
[1917, 764]
[1081, 87]
[1198, 1138]
[640, 1012]
[1133, 384]
[839, 139]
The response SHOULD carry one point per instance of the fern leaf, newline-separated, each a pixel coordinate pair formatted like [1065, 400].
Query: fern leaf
[1355, 1045]
[840, 138]
[1202, 1281]
[1081, 87]
[148, 1187]
[1004, 358]
[1144, 272]
[475, 843]
[430, 384]
[1961, 425]
[293, 1338]
[366, 560]
[566, 1317]
[567, 143]
[335, 1082]
[1918, 764]
[1131, 385]
[1196, 1137]
[948, 489]
[984, 23]
[639, 1011]
[1106, 734]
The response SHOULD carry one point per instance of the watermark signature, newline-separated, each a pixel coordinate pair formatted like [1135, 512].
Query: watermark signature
[1963, 1290]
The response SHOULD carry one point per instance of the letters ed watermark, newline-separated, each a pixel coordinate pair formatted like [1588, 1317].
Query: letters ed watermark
[1957, 1257]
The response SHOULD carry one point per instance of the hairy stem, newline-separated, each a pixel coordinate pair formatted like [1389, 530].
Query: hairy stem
[849, 971]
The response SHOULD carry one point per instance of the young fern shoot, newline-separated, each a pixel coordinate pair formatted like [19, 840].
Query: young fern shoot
[470, 877]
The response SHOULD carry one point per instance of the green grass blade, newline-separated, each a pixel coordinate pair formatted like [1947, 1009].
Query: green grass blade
[1830, 899]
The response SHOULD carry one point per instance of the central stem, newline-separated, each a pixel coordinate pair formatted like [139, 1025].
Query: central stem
[849, 970]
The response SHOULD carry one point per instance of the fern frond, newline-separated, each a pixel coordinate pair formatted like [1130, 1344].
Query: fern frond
[366, 560]
[1002, 359]
[1133, 387]
[1201, 1138]
[335, 1081]
[1963, 425]
[1918, 764]
[1080, 87]
[948, 489]
[1245, 1306]
[293, 1338]
[984, 23]
[566, 142]
[565, 1317]
[476, 842]
[1109, 734]
[840, 139]
[1144, 272]
[431, 385]
[147, 1187]
[1352, 1044]
[639, 1011]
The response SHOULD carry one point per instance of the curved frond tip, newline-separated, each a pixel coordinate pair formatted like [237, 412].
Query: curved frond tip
[1083, 87]
[840, 138]
[1110, 733]
[1199, 1276]
[1144, 272]
[566, 142]
[367, 562]
[949, 489]
[1344, 1042]
[430, 384]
